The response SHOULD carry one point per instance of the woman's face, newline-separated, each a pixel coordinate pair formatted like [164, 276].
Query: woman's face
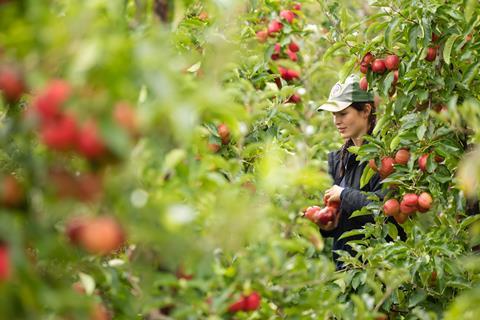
[351, 123]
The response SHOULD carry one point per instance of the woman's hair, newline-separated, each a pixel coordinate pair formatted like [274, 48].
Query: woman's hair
[372, 120]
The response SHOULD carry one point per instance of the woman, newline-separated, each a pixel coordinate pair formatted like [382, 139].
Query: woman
[354, 116]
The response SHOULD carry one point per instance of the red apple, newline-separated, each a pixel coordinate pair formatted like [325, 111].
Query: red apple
[60, 133]
[368, 58]
[275, 56]
[99, 312]
[293, 47]
[292, 55]
[431, 54]
[213, 147]
[262, 36]
[310, 213]
[5, 268]
[363, 84]
[295, 98]
[334, 205]
[252, 301]
[124, 115]
[391, 62]
[422, 162]
[407, 210]
[378, 66]
[101, 235]
[402, 156]
[49, 102]
[400, 218]
[292, 74]
[12, 194]
[89, 143]
[274, 26]
[283, 72]
[288, 74]
[410, 199]
[277, 48]
[12, 85]
[74, 227]
[238, 305]
[297, 6]
[324, 215]
[386, 167]
[363, 68]
[287, 15]
[425, 201]
[203, 15]
[438, 158]
[395, 76]
[391, 207]
[224, 133]
[372, 164]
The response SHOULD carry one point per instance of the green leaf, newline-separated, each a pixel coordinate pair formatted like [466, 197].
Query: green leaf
[412, 37]
[421, 132]
[472, 71]
[418, 296]
[352, 233]
[365, 211]
[387, 83]
[469, 220]
[389, 31]
[395, 142]
[336, 46]
[347, 69]
[353, 149]
[470, 7]
[379, 125]
[448, 47]
[367, 174]
[392, 231]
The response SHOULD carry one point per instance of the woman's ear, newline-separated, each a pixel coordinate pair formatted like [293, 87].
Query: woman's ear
[367, 110]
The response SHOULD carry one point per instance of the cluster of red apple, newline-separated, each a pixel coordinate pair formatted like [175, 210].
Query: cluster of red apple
[402, 157]
[246, 303]
[324, 215]
[5, 268]
[59, 130]
[390, 63]
[97, 235]
[224, 134]
[275, 26]
[291, 51]
[410, 204]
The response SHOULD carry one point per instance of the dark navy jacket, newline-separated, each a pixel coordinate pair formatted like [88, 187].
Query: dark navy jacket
[352, 199]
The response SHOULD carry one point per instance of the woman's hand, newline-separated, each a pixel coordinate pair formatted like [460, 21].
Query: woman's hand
[333, 194]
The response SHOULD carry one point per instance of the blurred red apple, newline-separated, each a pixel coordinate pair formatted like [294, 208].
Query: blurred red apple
[101, 235]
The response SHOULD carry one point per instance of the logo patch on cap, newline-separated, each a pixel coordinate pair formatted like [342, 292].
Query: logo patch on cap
[336, 90]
